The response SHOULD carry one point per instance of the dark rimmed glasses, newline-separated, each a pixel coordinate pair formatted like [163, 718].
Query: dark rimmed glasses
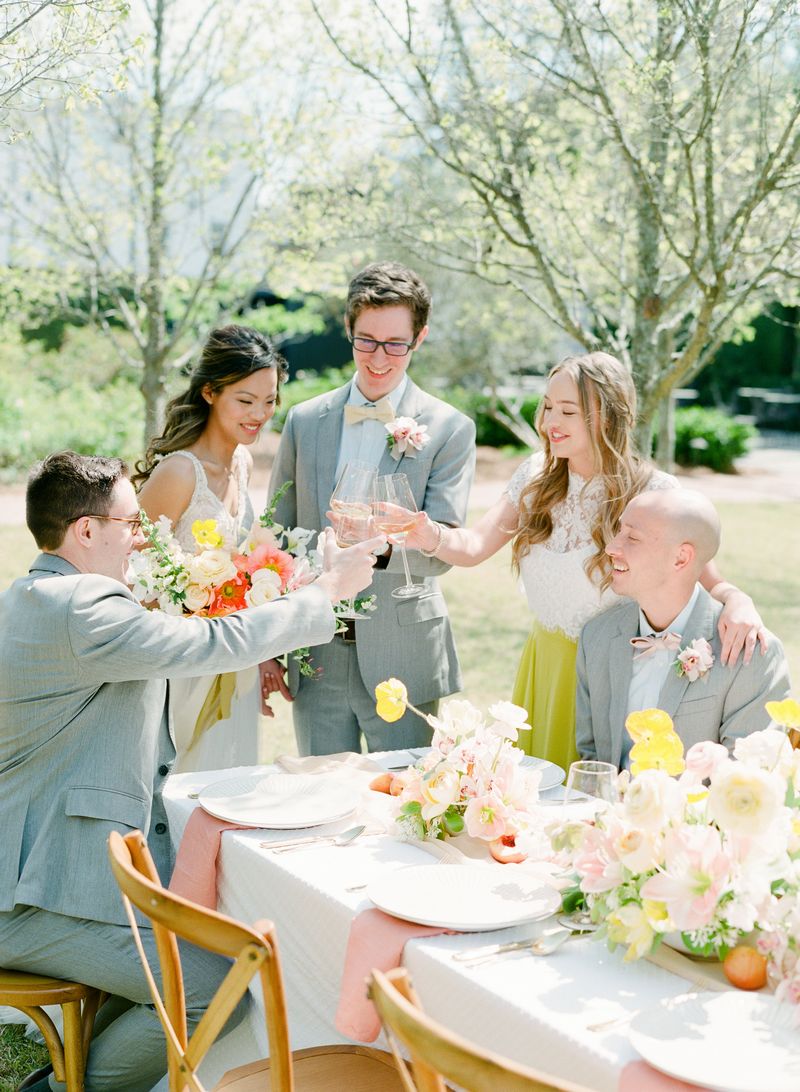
[134, 522]
[391, 348]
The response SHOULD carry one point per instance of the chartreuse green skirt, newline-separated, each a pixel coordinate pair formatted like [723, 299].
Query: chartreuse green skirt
[545, 686]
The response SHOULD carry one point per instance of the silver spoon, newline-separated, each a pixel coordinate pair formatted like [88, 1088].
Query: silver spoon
[321, 839]
[541, 946]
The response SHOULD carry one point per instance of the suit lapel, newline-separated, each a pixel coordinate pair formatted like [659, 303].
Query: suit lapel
[700, 624]
[620, 662]
[328, 439]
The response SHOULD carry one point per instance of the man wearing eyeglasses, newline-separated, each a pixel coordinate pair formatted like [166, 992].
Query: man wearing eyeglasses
[85, 743]
[386, 321]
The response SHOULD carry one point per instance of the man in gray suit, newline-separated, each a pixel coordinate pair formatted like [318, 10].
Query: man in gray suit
[85, 743]
[387, 322]
[628, 656]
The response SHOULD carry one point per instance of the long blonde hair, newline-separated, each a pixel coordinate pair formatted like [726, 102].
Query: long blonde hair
[607, 400]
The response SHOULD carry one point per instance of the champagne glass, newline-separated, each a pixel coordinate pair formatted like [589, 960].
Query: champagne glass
[351, 501]
[593, 779]
[394, 513]
[589, 781]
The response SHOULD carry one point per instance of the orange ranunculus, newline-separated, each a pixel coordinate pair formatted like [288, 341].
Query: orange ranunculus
[266, 556]
[229, 596]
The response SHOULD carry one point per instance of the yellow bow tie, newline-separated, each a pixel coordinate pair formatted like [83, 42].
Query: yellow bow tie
[381, 411]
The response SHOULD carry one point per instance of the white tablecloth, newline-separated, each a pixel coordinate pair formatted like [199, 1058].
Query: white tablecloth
[534, 1010]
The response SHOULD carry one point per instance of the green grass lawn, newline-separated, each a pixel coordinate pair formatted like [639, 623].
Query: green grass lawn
[490, 617]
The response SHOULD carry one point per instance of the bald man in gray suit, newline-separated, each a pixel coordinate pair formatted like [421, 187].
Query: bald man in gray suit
[627, 656]
[85, 744]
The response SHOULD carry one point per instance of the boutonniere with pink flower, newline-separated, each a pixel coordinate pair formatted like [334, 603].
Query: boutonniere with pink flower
[406, 437]
[695, 660]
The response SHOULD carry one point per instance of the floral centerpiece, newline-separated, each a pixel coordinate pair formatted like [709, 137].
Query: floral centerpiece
[706, 845]
[471, 779]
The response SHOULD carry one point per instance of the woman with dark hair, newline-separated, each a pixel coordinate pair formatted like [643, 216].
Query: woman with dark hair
[198, 469]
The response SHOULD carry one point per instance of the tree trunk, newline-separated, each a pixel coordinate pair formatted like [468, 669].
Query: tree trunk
[665, 435]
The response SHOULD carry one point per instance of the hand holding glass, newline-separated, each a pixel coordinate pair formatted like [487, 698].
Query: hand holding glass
[394, 513]
[351, 503]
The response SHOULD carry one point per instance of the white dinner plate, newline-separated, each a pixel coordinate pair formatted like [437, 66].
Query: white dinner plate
[278, 801]
[552, 775]
[470, 898]
[730, 1042]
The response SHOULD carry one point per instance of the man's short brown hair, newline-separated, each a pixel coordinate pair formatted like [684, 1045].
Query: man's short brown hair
[387, 284]
[66, 486]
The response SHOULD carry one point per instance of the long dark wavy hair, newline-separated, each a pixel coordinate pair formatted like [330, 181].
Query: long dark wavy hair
[230, 354]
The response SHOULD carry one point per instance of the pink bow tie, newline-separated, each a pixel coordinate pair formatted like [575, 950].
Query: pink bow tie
[646, 645]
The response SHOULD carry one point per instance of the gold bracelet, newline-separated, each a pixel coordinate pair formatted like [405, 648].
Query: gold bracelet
[433, 552]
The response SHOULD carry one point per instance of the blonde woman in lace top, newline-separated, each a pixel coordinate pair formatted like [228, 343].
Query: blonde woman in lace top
[559, 510]
[198, 469]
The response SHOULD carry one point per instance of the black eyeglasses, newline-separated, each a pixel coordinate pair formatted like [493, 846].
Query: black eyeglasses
[391, 348]
[134, 522]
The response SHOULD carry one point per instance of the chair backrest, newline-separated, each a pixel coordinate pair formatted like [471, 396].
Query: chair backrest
[254, 951]
[436, 1052]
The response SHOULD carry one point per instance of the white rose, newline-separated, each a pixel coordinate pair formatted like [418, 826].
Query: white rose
[769, 749]
[197, 598]
[266, 587]
[652, 799]
[510, 719]
[439, 792]
[211, 568]
[744, 800]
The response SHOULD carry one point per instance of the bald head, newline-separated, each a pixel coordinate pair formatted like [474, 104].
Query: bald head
[684, 516]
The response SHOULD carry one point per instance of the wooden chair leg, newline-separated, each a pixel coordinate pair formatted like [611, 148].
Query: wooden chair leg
[73, 1045]
[50, 1035]
[94, 1000]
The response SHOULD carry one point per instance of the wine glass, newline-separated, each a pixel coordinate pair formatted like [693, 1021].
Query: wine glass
[592, 779]
[394, 513]
[351, 501]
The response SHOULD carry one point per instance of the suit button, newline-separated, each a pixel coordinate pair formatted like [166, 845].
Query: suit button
[161, 828]
[163, 769]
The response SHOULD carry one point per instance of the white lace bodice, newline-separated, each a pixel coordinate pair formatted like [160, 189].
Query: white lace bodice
[207, 505]
[553, 573]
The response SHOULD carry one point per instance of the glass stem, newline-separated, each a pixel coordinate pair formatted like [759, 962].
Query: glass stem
[405, 562]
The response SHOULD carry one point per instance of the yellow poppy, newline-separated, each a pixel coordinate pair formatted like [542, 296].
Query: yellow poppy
[786, 712]
[391, 699]
[645, 723]
[206, 534]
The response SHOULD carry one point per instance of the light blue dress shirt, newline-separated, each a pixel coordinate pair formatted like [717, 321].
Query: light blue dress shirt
[365, 441]
[649, 673]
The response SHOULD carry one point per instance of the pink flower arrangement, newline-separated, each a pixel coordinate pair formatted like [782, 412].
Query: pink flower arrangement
[406, 436]
[472, 779]
[712, 854]
[696, 660]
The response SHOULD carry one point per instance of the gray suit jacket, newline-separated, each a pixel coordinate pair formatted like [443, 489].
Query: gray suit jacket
[84, 736]
[411, 639]
[722, 706]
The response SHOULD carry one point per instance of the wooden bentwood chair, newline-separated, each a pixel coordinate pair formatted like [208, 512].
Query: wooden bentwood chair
[29, 993]
[254, 951]
[438, 1053]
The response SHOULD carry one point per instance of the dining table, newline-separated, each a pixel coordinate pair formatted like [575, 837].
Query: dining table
[566, 1014]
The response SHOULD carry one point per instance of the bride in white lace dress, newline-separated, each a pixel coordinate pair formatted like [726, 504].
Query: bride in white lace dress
[198, 469]
[560, 509]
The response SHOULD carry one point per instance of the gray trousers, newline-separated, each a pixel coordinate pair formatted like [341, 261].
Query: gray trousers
[331, 711]
[128, 1050]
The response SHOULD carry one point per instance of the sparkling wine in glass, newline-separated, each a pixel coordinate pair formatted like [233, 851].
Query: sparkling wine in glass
[351, 501]
[394, 513]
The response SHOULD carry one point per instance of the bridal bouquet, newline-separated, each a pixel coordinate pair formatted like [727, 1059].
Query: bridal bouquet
[221, 577]
[707, 846]
[471, 779]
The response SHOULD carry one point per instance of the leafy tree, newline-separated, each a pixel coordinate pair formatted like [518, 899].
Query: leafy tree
[166, 197]
[632, 169]
[50, 48]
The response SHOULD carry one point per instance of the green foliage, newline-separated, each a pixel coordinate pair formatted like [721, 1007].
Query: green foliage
[18, 1056]
[706, 437]
[78, 398]
[478, 405]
